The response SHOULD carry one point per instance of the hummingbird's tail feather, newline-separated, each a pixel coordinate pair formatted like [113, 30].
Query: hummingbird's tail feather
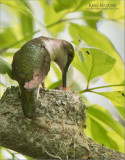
[29, 98]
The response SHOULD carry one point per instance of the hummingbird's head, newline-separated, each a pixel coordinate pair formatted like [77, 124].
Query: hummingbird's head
[66, 56]
[61, 51]
[67, 52]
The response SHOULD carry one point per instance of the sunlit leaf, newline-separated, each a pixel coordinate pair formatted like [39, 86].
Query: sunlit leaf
[92, 22]
[117, 98]
[2, 84]
[16, 5]
[5, 67]
[57, 70]
[50, 17]
[9, 54]
[55, 85]
[17, 43]
[98, 132]
[96, 63]
[7, 37]
[100, 123]
[121, 144]
[1, 154]
[26, 21]
[71, 5]
[27, 25]
[65, 4]
[98, 40]
[29, 158]
[116, 13]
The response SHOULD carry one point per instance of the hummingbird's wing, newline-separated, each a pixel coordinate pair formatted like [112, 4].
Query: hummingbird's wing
[30, 66]
[39, 74]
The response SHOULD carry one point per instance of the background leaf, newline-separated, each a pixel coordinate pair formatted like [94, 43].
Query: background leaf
[100, 125]
[55, 85]
[7, 37]
[117, 98]
[26, 21]
[98, 40]
[1, 154]
[50, 13]
[92, 22]
[16, 5]
[116, 13]
[96, 63]
[62, 4]
[5, 67]
[56, 70]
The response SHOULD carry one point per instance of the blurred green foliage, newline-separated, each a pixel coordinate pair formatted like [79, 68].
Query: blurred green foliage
[95, 57]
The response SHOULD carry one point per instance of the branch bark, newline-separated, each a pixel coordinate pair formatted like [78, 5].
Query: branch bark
[55, 132]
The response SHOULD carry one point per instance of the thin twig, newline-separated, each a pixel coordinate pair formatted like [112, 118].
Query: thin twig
[90, 89]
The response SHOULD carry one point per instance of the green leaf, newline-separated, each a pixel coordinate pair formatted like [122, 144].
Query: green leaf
[60, 5]
[27, 25]
[92, 23]
[99, 126]
[7, 37]
[16, 5]
[17, 43]
[26, 21]
[1, 153]
[29, 158]
[56, 70]
[5, 67]
[98, 40]
[96, 63]
[54, 85]
[99, 133]
[116, 13]
[50, 17]
[70, 5]
[117, 98]
[2, 84]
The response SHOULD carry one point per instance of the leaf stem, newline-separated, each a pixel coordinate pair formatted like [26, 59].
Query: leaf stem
[53, 24]
[90, 89]
[85, 17]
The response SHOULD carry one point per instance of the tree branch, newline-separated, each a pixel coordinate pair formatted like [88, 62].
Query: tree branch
[56, 130]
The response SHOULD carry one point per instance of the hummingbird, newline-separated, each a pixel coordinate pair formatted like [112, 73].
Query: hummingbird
[31, 65]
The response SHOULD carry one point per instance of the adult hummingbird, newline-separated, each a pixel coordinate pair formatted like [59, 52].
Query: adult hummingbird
[31, 65]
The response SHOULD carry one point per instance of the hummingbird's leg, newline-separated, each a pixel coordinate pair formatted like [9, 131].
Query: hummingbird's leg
[38, 95]
[43, 85]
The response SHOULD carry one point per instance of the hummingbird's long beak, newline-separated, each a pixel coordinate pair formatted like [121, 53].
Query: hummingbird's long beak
[64, 74]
